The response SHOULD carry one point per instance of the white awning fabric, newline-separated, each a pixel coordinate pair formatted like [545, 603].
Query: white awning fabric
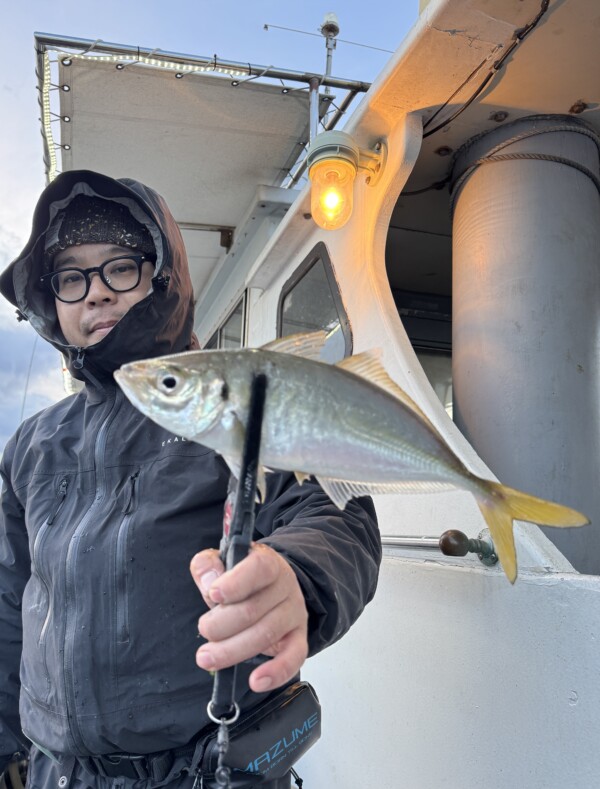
[201, 142]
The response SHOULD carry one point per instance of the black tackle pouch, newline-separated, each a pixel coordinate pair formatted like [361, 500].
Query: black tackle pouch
[265, 742]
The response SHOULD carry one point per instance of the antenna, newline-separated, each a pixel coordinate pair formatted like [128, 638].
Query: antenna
[330, 23]
[330, 29]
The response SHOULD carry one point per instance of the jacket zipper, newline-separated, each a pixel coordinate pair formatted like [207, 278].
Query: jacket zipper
[62, 495]
[122, 599]
[39, 539]
[78, 360]
[131, 494]
[70, 573]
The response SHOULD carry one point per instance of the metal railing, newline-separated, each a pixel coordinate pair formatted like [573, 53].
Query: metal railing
[450, 543]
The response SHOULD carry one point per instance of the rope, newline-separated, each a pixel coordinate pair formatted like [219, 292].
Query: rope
[572, 126]
[493, 155]
[514, 156]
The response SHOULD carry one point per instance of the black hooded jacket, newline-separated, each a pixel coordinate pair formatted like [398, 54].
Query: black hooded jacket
[102, 511]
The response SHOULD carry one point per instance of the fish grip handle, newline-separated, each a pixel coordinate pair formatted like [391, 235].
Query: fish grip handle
[237, 544]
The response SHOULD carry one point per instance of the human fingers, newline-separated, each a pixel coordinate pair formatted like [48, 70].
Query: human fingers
[269, 618]
[205, 568]
[281, 632]
[293, 651]
[232, 617]
[229, 619]
[261, 568]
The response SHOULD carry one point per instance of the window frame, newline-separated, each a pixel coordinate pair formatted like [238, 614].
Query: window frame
[215, 341]
[318, 253]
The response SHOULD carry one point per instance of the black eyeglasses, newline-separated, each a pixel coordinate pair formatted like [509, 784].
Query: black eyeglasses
[119, 274]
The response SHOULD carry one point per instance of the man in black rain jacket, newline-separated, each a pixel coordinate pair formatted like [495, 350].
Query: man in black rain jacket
[102, 511]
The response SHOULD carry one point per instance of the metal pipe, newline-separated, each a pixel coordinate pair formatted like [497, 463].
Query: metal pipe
[428, 543]
[526, 314]
[51, 41]
[341, 110]
[330, 45]
[205, 227]
[314, 108]
[450, 543]
[301, 167]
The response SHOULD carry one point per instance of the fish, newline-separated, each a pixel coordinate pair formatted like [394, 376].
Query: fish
[348, 424]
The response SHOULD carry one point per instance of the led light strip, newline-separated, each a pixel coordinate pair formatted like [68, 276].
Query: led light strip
[169, 65]
[46, 119]
[180, 69]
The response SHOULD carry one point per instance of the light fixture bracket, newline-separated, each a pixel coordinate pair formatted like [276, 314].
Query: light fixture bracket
[373, 161]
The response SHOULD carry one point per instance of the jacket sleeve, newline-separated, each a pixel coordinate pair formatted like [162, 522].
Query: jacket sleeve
[335, 553]
[14, 572]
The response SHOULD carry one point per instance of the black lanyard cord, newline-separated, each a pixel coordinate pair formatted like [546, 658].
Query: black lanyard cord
[222, 707]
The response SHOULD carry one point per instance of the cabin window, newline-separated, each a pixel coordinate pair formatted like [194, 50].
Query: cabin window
[310, 300]
[427, 319]
[438, 369]
[419, 268]
[232, 332]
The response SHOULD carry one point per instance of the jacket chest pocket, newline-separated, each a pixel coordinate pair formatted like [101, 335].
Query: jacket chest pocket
[39, 559]
[122, 559]
[39, 599]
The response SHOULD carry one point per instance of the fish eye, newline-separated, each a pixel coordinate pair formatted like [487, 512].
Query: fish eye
[168, 383]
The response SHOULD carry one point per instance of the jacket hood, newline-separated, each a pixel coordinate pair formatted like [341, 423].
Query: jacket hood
[161, 323]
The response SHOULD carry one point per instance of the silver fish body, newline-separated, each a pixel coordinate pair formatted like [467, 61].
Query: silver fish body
[348, 424]
[319, 419]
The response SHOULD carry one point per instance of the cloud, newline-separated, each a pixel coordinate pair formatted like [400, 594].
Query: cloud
[30, 377]
[9, 243]
[30, 369]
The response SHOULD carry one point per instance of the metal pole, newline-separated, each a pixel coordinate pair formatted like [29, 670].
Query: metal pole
[45, 41]
[526, 314]
[330, 29]
[330, 44]
[331, 123]
[314, 107]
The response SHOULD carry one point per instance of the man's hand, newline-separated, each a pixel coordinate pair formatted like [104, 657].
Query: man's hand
[256, 608]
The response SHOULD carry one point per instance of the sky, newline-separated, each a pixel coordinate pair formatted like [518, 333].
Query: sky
[30, 375]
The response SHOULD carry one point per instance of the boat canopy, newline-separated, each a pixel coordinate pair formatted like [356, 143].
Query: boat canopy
[215, 133]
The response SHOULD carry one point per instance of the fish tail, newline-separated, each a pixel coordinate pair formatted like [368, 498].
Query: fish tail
[500, 505]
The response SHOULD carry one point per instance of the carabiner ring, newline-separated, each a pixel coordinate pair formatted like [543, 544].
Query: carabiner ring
[226, 721]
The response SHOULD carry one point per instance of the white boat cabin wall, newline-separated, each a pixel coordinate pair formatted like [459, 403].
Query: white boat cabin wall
[472, 262]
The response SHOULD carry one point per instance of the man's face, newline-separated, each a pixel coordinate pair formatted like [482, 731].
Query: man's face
[86, 322]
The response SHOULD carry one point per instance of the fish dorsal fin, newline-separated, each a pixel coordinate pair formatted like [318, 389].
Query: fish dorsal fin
[367, 365]
[309, 344]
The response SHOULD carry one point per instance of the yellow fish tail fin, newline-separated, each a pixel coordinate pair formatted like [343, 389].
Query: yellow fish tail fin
[499, 522]
[502, 505]
[525, 507]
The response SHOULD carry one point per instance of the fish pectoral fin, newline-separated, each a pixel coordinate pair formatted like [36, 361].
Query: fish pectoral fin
[308, 344]
[367, 365]
[340, 491]
[230, 422]
[261, 484]
[234, 465]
